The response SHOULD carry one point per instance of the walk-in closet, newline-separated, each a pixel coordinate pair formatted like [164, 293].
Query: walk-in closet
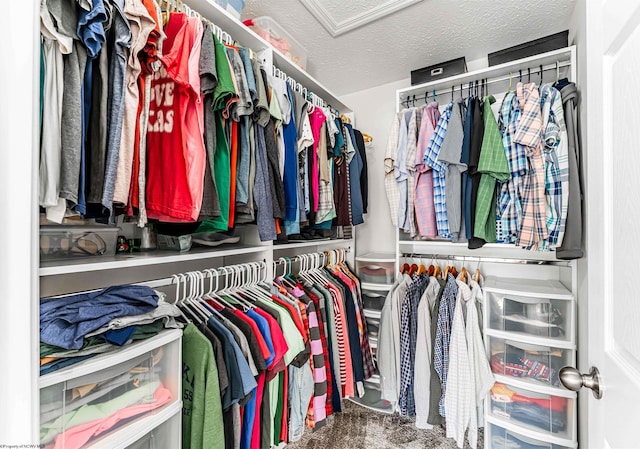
[235, 224]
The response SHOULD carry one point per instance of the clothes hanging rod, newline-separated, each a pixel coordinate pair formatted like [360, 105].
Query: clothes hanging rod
[562, 263]
[514, 76]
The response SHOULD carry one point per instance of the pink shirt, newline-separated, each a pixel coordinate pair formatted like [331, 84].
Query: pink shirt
[346, 364]
[77, 436]
[317, 118]
[423, 200]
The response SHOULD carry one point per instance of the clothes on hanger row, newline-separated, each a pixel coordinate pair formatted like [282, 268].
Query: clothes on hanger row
[432, 362]
[168, 123]
[77, 327]
[262, 362]
[486, 171]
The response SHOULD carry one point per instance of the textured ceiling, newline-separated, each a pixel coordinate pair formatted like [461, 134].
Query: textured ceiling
[340, 17]
[426, 33]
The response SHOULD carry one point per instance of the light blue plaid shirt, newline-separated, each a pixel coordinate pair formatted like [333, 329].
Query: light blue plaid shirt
[439, 172]
[511, 192]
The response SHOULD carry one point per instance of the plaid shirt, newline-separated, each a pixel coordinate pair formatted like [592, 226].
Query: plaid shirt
[494, 167]
[390, 183]
[556, 152]
[443, 336]
[439, 172]
[408, 341]
[533, 229]
[425, 211]
[510, 198]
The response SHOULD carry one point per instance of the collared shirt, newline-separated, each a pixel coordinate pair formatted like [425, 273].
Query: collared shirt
[424, 354]
[412, 148]
[408, 340]
[556, 153]
[439, 172]
[443, 336]
[401, 172]
[510, 201]
[494, 167]
[390, 183]
[533, 229]
[425, 211]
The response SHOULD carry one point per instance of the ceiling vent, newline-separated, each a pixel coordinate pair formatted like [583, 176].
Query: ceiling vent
[339, 16]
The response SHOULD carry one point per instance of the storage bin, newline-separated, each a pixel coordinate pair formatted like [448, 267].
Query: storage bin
[235, 7]
[77, 241]
[499, 438]
[272, 32]
[544, 413]
[76, 411]
[531, 309]
[528, 362]
[439, 71]
[373, 300]
[376, 273]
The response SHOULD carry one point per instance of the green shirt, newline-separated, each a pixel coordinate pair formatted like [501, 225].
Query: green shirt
[494, 166]
[202, 425]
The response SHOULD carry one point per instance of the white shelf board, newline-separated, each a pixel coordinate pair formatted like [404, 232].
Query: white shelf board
[532, 385]
[549, 289]
[109, 359]
[143, 259]
[524, 338]
[313, 243]
[376, 287]
[248, 38]
[539, 435]
[130, 433]
[377, 257]
[499, 250]
[545, 59]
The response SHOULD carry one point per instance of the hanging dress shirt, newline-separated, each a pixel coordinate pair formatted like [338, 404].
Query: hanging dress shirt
[439, 172]
[533, 228]
[390, 183]
[425, 211]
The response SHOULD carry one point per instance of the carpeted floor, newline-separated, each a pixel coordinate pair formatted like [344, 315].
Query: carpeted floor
[359, 428]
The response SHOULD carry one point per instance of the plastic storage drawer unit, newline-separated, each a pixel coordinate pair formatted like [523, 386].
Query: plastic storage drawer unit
[116, 395]
[373, 300]
[545, 413]
[72, 241]
[528, 362]
[376, 273]
[499, 438]
[540, 310]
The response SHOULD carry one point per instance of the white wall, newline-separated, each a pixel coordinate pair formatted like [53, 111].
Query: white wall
[374, 109]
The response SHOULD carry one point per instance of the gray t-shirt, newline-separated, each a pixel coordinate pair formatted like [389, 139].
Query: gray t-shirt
[117, 70]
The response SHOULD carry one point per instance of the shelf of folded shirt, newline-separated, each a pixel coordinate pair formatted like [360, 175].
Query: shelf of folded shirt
[109, 400]
[534, 412]
[533, 311]
[496, 437]
[155, 257]
[249, 39]
[498, 250]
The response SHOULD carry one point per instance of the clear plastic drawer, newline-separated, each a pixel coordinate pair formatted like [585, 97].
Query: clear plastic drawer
[528, 362]
[499, 438]
[76, 411]
[373, 300]
[535, 411]
[532, 316]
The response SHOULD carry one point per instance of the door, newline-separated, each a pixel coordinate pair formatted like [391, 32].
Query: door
[612, 146]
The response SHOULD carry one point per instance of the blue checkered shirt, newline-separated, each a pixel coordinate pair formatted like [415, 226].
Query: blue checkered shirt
[443, 335]
[439, 172]
[408, 341]
[511, 191]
